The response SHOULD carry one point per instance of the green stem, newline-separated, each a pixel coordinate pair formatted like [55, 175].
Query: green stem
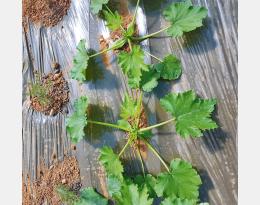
[126, 145]
[157, 125]
[157, 154]
[106, 50]
[108, 125]
[150, 35]
[136, 8]
[153, 56]
[141, 160]
[139, 109]
[109, 10]
[129, 43]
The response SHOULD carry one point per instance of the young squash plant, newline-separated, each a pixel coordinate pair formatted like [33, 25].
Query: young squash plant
[191, 115]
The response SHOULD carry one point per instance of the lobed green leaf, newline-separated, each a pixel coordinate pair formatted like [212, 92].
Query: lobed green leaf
[149, 79]
[181, 182]
[114, 20]
[80, 62]
[76, 123]
[111, 162]
[170, 68]
[132, 64]
[129, 108]
[192, 115]
[131, 195]
[114, 185]
[149, 181]
[184, 17]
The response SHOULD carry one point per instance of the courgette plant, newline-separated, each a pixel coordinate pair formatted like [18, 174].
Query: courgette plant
[191, 115]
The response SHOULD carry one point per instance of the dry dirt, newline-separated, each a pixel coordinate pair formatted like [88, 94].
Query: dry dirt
[58, 94]
[44, 12]
[38, 192]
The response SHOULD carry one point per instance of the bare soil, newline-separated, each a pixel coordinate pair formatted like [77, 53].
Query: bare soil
[44, 12]
[58, 94]
[43, 190]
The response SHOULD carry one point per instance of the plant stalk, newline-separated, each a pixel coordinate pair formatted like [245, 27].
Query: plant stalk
[157, 154]
[108, 125]
[157, 125]
[150, 35]
[126, 145]
[141, 160]
[139, 108]
[109, 10]
[106, 50]
[153, 56]
[129, 43]
[136, 8]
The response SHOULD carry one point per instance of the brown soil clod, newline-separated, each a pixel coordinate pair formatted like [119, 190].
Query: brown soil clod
[45, 12]
[38, 192]
[55, 65]
[54, 156]
[104, 44]
[57, 94]
[73, 147]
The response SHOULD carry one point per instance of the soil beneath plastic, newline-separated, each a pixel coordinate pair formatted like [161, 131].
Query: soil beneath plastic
[44, 12]
[38, 192]
[57, 94]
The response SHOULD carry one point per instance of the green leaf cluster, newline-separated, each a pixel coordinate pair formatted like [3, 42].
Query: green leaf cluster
[178, 186]
[76, 123]
[114, 20]
[129, 108]
[123, 191]
[192, 114]
[184, 17]
[111, 162]
[132, 64]
[131, 111]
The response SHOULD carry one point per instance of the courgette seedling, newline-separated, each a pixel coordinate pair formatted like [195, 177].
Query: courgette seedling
[182, 17]
[191, 115]
[180, 183]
